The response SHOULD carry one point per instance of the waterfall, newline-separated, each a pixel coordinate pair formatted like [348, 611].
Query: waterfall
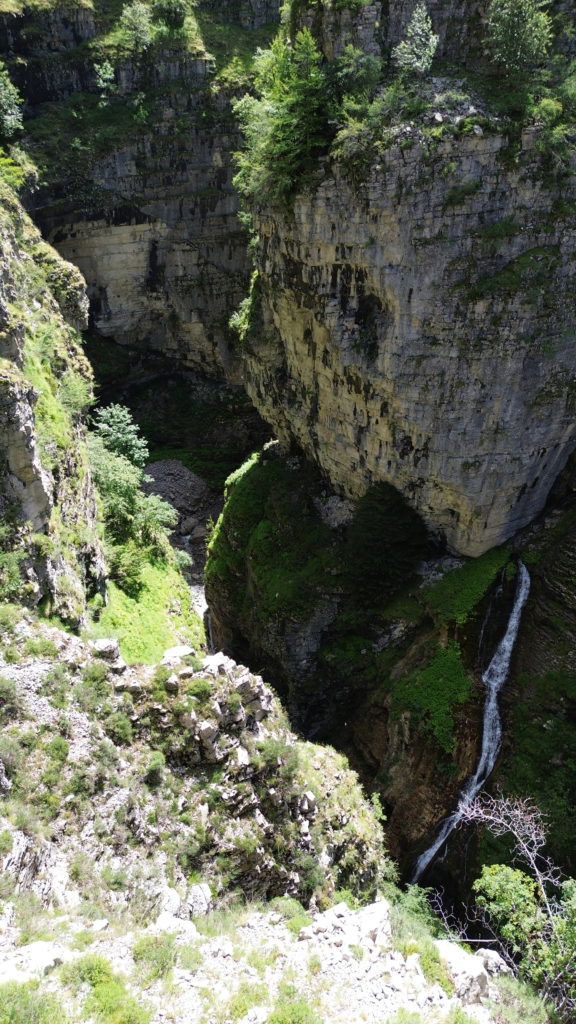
[493, 678]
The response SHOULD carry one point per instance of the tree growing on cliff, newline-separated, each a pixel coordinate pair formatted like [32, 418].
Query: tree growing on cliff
[288, 126]
[10, 107]
[519, 36]
[415, 54]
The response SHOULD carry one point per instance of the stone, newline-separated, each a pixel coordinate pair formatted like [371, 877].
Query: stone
[172, 684]
[107, 648]
[188, 524]
[493, 962]
[176, 484]
[473, 431]
[218, 664]
[5, 784]
[466, 971]
[41, 957]
[175, 654]
[199, 900]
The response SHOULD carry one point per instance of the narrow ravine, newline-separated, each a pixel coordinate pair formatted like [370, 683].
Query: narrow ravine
[494, 678]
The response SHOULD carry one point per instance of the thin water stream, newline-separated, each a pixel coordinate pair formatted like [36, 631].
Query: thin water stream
[493, 678]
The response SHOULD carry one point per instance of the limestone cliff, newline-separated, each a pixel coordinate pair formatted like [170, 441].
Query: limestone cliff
[418, 321]
[403, 345]
[47, 503]
[139, 191]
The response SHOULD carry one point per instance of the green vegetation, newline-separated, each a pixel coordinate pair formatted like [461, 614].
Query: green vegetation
[292, 1008]
[532, 910]
[10, 107]
[288, 127]
[543, 730]
[519, 36]
[155, 955]
[160, 616]
[415, 54]
[456, 595]
[25, 1004]
[432, 693]
[119, 434]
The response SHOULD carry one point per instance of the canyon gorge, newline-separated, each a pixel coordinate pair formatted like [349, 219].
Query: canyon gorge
[356, 355]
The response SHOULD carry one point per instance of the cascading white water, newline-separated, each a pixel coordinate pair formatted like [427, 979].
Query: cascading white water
[494, 678]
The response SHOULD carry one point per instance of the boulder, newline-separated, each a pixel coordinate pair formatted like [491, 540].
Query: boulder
[199, 900]
[467, 972]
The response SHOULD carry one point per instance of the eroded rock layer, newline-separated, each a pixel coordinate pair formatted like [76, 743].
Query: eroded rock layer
[420, 330]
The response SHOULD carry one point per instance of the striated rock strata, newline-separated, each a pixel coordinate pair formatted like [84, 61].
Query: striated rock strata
[421, 331]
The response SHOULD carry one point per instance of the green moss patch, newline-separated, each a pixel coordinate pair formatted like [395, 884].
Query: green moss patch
[432, 692]
[543, 726]
[457, 594]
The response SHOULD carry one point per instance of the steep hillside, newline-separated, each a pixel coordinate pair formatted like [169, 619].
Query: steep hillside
[49, 539]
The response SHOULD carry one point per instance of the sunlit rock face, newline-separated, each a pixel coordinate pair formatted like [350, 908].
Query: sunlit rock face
[420, 330]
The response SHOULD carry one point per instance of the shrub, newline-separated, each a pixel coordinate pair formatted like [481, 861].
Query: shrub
[93, 689]
[171, 13]
[156, 954]
[119, 434]
[136, 24]
[56, 685]
[11, 755]
[289, 126]
[416, 53]
[10, 107]
[6, 842]
[119, 728]
[10, 562]
[11, 705]
[518, 35]
[24, 1004]
[40, 647]
[153, 773]
[58, 749]
[111, 1003]
[87, 970]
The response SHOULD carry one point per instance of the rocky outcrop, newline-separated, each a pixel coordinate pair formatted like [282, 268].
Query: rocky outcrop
[257, 809]
[419, 331]
[47, 502]
[377, 27]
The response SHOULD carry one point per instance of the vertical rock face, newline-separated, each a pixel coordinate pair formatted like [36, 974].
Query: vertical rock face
[150, 216]
[158, 239]
[248, 13]
[47, 505]
[421, 332]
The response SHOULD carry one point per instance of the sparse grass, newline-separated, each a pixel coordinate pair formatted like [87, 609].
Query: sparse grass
[155, 955]
[246, 996]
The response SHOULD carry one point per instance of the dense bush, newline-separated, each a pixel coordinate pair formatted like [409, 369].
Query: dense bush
[519, 35]
[288, 126]
[136, 23]
[119, 434]
[137, 524]
[171, 13]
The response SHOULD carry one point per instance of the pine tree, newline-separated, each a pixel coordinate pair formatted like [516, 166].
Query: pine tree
[416, 53]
